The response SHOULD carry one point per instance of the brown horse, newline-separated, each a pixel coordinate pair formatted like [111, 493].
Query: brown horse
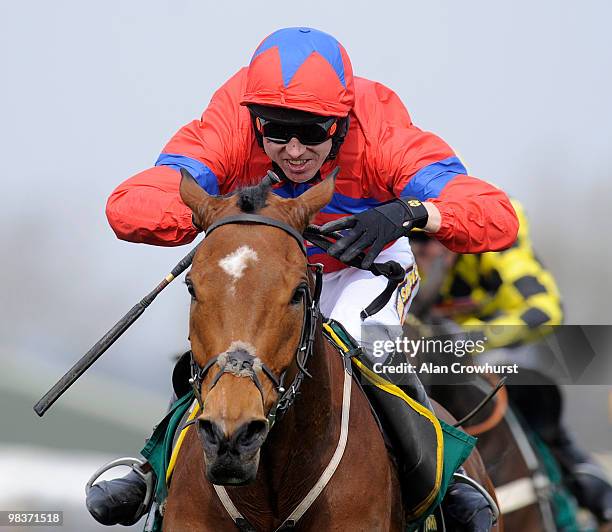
[511, 461]
[248, 283]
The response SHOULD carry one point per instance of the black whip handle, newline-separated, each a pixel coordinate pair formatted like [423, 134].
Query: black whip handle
[83, 364]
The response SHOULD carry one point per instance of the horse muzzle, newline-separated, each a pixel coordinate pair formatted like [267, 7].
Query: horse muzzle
[234, 459]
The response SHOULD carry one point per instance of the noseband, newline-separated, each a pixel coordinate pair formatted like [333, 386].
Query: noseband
[240, 362]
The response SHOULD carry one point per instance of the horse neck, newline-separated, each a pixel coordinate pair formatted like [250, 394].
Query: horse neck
[302, 436]
[315, 401]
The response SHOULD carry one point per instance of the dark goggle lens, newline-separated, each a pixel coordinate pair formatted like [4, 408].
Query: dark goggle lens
[308, 134]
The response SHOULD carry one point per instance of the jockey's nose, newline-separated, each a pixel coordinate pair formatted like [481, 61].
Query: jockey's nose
[247, 439]
[295, 149]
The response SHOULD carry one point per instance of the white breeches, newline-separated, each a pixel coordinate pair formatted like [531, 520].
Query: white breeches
[347, 292]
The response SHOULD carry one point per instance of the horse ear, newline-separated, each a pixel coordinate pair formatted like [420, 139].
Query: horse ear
[202, 204]
[317, 197]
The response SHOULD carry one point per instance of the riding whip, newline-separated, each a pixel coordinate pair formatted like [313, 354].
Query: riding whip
[109, 338]
[118, 329]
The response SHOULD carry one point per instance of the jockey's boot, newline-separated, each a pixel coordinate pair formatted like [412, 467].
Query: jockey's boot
[122, 500]
[118, 501]
[470, 508]
[466, 509]
[586, 480]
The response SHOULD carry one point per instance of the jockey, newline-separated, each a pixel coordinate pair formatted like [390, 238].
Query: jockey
[482, 292]
[298, 110]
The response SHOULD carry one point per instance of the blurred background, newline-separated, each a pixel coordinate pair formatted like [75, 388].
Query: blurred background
[91, 92]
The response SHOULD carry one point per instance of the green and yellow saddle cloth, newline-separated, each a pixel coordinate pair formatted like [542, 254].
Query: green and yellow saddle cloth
[430, 450]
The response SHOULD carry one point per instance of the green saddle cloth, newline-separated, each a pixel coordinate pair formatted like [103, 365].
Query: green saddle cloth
[158, 450]
[565, 510]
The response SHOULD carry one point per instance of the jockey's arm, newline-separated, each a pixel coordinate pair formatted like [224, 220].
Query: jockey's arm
[474, 216]
[147, 207]
[466, 214]
[524, 294]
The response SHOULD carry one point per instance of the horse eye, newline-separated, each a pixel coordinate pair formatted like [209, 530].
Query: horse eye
[190, 288]
[298, 295]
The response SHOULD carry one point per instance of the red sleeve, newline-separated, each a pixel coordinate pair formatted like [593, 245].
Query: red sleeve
[214, 141]
[476, 216]
[147, 207]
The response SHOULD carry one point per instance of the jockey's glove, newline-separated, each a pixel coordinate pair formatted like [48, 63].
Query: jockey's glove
[375, 228]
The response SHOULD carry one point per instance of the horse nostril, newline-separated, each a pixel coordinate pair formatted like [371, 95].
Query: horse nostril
[210, 432]
[251, 435]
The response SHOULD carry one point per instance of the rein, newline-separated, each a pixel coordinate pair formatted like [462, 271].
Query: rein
[392, 270]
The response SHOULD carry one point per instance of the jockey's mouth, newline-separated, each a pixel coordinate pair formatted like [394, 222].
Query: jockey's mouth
[297, 165]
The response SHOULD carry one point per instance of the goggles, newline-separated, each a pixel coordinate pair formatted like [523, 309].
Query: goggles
[307, 134]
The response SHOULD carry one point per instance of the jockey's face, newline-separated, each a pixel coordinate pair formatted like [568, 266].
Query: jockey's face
[299, 162]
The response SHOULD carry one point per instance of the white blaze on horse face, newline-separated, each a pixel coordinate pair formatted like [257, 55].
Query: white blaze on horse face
[235, 263]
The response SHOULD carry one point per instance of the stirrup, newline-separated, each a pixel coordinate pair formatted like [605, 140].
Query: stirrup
[137, 465]
[464, 479]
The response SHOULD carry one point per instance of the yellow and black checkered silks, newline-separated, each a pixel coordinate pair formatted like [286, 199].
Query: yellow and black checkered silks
[509, 287]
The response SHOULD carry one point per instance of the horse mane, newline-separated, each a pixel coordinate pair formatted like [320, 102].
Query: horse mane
[253, 199]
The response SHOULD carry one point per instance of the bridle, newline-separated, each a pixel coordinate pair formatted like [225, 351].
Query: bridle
[240, 362]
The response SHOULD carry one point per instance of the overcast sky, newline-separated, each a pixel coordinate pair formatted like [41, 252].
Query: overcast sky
[91, 91]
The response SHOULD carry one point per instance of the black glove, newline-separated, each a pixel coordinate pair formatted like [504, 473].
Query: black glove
[376, 228]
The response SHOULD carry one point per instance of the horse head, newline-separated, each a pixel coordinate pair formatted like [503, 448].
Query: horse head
[249, 283]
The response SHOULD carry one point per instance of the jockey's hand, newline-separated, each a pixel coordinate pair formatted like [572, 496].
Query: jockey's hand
[375, 228]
